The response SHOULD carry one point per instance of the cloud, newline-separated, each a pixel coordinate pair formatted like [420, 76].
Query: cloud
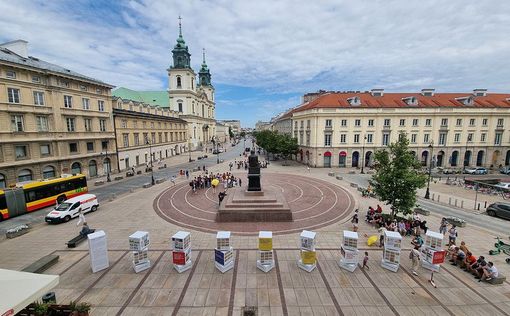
[275, 46]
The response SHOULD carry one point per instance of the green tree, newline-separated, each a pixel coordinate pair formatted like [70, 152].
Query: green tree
[230, 133]
[287, 146]
[398, 176]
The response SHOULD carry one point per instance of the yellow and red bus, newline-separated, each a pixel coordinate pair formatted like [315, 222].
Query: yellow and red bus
[35, 195]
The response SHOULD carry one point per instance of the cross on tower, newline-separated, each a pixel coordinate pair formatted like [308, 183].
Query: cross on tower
[180, 31]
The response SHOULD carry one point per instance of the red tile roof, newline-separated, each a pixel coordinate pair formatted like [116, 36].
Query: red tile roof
[394, 100]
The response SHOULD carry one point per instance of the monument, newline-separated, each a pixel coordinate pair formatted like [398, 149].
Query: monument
[254, 204]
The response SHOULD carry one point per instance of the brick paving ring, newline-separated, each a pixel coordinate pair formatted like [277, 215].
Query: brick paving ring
[314, 203]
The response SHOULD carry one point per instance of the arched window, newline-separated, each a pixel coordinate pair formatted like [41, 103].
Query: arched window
[179, 83]
[75, 168]
[193, 107]
[24, 175]
[107, 165]
[192, 83]
[203, 110]
[48, 172]
[179, 105]
[92, 168]
[2, 181]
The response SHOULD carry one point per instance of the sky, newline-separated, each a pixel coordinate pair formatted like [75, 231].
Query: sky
[264, 55]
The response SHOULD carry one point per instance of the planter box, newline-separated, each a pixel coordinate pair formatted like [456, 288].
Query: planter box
[98, 183]
[118, 178]
[17, 233]
[421, 211]
[458, 224]
[339, 178]
[354, 185]
[331, 174]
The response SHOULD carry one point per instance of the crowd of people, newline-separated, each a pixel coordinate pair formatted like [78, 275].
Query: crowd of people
[206, 180]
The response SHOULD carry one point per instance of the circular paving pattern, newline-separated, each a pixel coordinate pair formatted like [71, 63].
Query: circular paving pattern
[314, 204]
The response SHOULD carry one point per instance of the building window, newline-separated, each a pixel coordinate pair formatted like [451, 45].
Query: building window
[10, 74]
[36, 79]
[179, 83]
[295, 124]
[402, 122]
[500, 122]
[497, 139]
[470, 137]
[135, 124]
[38, 98]
[302, 124]
[83, 88]
[137, 139]
[123, 123]
[307, 123]
[428, 122]
[415, 122]
[301, 139]
[357, 122]
[45, 149]
[70, 124]
[426, 138]
[42, 123]
[327, 140]
[484, 122]
[17, 123]
[152, 125]
[153, 138]
[13, 95]
[307, 139]
[356, 138]
[90, 146]
[456, 137]
[472, 122]
[385, 139]
[68, 101]
[25, 175]
[63, 83]
[483, 137]
[371, 122]
[180, 106]
[328, 123]
[100, 105]
[145, 138]
[160, 137]
[387, 122]
[88, 125]
[413, 138]
[166, 136]
[21, 151]
[102, 125]
[343, 138]
[459, 122]
[125, 139]
[104, 145]
[86, 104]
[73, 147]
[99, 91]
[48, 172]
[344, 123]
[442, 138]
[370, 138]
[444, 122]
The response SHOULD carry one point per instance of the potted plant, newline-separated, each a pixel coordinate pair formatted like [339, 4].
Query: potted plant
[81, 309]
[40, 308]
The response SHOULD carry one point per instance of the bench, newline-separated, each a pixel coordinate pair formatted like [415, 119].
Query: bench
[354, 185]
[331, 174]
[99, 182]
[118, 178]
[352, 172]
[147, 185]
[421, 211]
[42, 264]
[339, 178]
[160, 180]
[77, 240]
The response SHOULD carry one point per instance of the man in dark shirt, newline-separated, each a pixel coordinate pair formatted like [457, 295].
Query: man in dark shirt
[221, 196]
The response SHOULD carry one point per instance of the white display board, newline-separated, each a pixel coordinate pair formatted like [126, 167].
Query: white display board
[98, 251]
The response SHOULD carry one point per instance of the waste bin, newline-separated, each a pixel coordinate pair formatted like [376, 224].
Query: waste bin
[49, 298]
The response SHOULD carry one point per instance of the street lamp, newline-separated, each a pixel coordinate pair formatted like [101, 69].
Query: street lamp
[217, 152]
[363, 153]
[152, 167]
[189, 150]
[427, 193]
[466, 161]
[108, 166]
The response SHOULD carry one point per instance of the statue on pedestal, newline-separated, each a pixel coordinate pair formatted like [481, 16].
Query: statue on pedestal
[253, 173]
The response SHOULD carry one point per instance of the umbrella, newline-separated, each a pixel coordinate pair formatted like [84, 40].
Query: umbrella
[215, 182]
[371, 240]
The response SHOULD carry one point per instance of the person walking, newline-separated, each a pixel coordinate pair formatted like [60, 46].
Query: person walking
[221, 196]
[365, 261]
[173, 180]
[81, 217]
[414, 255]
[452, 235]
[354, 221]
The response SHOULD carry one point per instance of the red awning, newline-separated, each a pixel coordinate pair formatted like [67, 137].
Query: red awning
[327, 154]
[343, 154]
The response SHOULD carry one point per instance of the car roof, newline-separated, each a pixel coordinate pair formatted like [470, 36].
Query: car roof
[80, 198]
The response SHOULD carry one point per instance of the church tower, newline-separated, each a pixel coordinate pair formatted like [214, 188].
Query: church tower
[205, 79]
[181, 77]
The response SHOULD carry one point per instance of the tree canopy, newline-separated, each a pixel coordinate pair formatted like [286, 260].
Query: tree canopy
[276, 143]
[398, 176]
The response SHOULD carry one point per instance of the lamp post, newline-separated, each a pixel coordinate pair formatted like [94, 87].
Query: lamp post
[152, 168]
[363, 154]
[466, 161]
[108, 166]
[217, 152]
[189, 150]
[427, 193]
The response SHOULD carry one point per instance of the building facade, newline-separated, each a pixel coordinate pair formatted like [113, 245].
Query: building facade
[147, 134]
[222, 134]
[449, 130]
[53, 120]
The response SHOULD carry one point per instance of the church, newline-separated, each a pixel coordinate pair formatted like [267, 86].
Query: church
[192, 101]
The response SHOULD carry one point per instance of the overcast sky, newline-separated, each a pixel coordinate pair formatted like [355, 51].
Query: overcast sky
[264, 55]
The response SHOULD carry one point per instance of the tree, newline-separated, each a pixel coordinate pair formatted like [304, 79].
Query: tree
[287, 146]
[398, 176]
[230, 133]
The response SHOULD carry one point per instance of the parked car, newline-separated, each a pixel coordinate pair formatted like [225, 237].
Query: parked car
[500, 209]
[69, 208]
[505, 170]
[503, 185]
[470, 170]
[478, 170]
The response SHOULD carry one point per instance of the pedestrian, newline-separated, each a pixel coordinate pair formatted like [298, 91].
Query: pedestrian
[443, 227]
[414, 255]
[221, 196]
[354, 221]
[187, 174]
[240, 182]
[365, 261]
[452, 235]
[81, 217]
[173, 180]
[381, 236]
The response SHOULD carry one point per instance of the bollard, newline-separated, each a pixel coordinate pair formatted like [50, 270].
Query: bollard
[438, 196]
[462, 204]
[449, 201]
[485, 206]
[455, 202]
[433, 196]
[478, 206]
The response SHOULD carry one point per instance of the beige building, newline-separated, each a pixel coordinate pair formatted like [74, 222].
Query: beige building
[454, 129]
[143, 131]
[222, 134]
[53, 120]
[261, 126]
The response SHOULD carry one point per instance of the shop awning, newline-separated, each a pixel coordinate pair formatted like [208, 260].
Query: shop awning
[19, 289]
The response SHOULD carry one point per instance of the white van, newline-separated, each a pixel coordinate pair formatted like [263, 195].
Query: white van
[69, 208]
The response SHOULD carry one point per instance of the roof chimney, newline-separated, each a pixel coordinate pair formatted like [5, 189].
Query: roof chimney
[19, 47]
[428, 92]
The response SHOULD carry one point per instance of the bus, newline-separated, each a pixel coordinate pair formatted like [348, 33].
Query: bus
[34, 195]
